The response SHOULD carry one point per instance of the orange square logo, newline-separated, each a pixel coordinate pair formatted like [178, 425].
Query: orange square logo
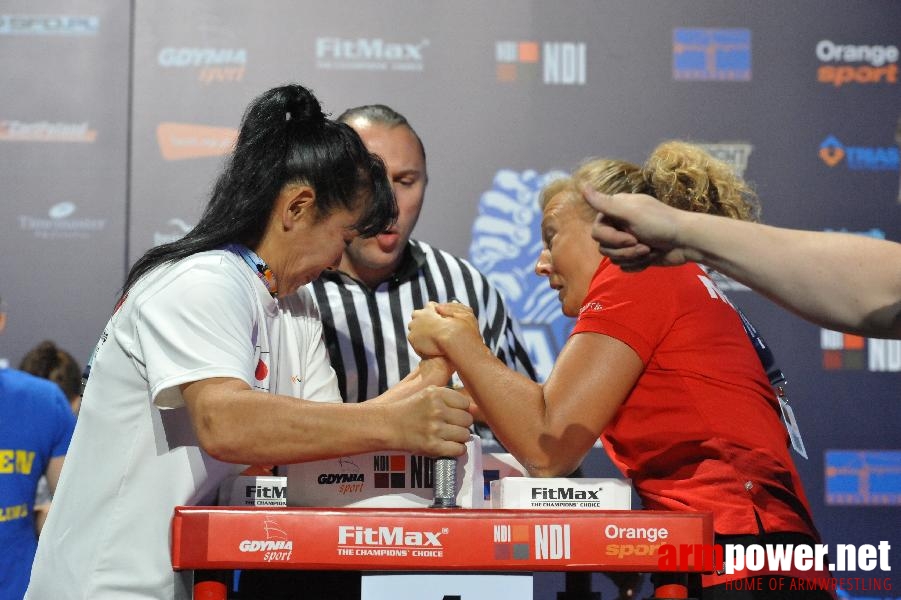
[528, 52]
[832, 359]
[519, 533]
[853, 342]
[506, 72]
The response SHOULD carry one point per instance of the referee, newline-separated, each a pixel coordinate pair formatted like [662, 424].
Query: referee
[367, 302]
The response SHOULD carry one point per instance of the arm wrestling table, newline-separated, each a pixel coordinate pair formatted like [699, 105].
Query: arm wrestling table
[431, 540]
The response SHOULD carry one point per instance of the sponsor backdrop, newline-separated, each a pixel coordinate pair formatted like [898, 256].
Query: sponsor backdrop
[115, 116]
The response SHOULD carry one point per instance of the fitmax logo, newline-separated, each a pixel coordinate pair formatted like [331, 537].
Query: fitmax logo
[564, 494]
[358, 535]
[265, 491]
[369, 54]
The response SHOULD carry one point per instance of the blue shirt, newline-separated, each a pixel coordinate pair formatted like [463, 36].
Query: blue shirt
[36, 425]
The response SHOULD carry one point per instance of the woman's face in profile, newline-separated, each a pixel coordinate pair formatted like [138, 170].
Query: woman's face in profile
[317, 245]
[570, 256]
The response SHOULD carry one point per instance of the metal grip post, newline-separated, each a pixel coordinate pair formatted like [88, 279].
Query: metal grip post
[445, 483]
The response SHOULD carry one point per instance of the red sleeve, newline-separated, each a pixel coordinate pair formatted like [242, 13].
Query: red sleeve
[635, 308]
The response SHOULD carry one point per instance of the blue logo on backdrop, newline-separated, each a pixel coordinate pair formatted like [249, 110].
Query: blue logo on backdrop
[49, 24]
[858, 158]
[506, 241]
[704, 54]
[873, 232]
[863, 477]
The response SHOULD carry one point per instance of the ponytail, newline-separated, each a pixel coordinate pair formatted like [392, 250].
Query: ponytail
[284, 138]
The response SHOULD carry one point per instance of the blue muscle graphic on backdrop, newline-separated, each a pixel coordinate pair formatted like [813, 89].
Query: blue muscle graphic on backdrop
[506, 241]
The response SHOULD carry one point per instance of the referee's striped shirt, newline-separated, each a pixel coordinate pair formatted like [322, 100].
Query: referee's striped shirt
[365, 330]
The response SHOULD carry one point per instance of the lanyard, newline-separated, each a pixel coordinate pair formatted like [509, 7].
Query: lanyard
[763, 351]
[257, 264]
[777, 380]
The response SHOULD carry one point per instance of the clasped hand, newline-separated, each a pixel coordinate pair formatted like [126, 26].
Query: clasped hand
[435, 328]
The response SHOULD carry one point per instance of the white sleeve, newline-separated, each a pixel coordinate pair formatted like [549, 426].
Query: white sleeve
[197, 326]
[304, 325]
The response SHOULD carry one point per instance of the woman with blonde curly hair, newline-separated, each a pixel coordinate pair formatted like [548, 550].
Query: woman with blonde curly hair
[682, 175]
[658, 365]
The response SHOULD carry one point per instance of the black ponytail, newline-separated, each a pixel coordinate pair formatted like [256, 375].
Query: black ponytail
[284, 138]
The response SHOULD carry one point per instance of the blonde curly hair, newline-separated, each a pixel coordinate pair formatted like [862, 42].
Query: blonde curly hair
[679, 174]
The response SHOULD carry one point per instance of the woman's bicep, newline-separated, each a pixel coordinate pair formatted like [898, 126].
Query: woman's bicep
[592, 377]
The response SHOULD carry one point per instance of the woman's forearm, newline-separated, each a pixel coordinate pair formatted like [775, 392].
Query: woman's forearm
[840, 281]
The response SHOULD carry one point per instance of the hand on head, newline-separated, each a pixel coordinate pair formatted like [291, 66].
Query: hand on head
[635, 230]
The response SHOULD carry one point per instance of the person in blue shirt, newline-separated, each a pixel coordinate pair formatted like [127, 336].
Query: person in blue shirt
[36, 425]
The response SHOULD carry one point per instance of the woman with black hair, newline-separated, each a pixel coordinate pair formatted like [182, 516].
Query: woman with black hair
[202, 366]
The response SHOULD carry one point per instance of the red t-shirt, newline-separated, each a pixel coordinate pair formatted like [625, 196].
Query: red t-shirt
[701, 429]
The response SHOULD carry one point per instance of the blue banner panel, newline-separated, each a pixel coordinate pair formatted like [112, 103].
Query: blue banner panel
[863, 477]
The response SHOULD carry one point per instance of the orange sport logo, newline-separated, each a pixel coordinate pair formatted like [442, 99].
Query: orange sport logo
[844, 64]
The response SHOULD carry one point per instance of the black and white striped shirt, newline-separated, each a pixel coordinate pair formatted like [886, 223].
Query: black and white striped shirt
[365, 330]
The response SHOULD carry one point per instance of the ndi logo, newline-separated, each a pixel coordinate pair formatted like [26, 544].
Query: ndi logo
[512, 542]
[389, 471]
[843, 351]
[705, 54]
[557, 63]
[551, 542]
[506, 241]
[858, 158]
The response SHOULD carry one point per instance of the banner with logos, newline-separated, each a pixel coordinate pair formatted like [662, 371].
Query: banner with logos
[117, 118]
[64, 108]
